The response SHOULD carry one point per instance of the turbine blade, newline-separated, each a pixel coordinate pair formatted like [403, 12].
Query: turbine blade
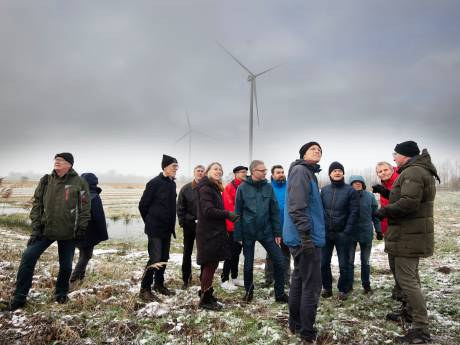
[188, 121]
[234, 58]
[182, 137]
[268, 70]
[255, 99]
[203, 134]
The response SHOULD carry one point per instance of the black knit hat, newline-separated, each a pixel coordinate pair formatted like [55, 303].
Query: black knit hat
[167, 160]
[239, 168]
[407, 148]
[306, 146]
[67, 156]
[336, 165]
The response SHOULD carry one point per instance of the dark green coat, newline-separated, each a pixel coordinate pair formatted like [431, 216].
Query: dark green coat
[258, 208]
[410, 209]
[61, 206]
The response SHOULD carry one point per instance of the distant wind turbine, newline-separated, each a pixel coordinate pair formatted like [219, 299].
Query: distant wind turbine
[189, 133]
[252, 79]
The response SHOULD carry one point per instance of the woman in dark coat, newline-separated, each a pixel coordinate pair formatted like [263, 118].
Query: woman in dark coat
[212, 240]
[96, 231]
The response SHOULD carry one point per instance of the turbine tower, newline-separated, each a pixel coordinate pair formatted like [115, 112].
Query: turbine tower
[253, 98]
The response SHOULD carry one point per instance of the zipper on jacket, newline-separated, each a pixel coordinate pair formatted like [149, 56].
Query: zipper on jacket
[332, 207]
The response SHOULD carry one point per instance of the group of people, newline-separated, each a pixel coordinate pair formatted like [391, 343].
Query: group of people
[291, 217]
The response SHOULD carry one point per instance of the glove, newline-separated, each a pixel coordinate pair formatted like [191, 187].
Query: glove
[80, 234]
[233, 217]
[306, 243]
[380, 213]
[379, 235]
[382, 190]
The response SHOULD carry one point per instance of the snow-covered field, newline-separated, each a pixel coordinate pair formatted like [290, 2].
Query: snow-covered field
[105, 309]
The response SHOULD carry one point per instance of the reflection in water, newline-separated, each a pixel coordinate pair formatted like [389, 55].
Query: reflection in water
[126, 228]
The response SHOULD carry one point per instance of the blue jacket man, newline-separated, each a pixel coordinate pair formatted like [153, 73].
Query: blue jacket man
[257, 206]
[363, 231]
[341, 210]
[304, 234]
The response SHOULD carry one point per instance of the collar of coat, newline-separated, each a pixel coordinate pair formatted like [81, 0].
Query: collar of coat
[70, 173]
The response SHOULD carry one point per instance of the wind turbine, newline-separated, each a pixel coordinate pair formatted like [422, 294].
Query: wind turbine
[252, 79]
[189, 133]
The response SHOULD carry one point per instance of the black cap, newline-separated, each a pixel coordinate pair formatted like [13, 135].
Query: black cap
[407, 148]
[167, 160]
[239, 168]
[67, 156]
[306, 146]
[336, 165]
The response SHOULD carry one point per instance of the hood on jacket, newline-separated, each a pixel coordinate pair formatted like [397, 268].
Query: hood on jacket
[424, 161]
[91, 179]
[357, 178]
[315, 168]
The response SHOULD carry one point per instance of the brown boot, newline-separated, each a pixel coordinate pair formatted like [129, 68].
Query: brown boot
[147, 296]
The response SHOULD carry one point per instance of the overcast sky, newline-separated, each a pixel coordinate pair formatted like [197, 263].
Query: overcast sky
[110, 81]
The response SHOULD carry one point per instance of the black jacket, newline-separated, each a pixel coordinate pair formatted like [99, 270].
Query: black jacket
[97, 227]
[341, 207]
[158, 207]
[187, 205]
[212, 240]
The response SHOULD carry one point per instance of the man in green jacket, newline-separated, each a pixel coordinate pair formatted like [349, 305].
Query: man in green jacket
[60, 212]
[257, 206]
[410, 234]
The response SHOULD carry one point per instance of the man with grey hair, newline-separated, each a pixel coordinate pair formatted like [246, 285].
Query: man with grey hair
[257, 206]
[187, 206]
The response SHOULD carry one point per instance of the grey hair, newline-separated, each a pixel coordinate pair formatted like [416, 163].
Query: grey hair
[254, 164]
[199, 166]
[384, 163]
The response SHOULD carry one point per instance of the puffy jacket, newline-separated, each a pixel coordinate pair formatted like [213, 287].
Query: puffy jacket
[304, 210]
[257, 206]
[410, 210]
[341, 207]
[229, 196]
[384, 201]
[61, 206]
[212, 240]
[158, 207]
[280, 193]
[363, 229]
[187, 204]
[97, 226]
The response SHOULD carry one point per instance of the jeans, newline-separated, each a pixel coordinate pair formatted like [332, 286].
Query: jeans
[231, 266]
[342, 244]
[304, 292]
[158, 249]
[365, 248]
[287, 265]
[278, 262]
[79, 271]
[66, 250]
[189, 239]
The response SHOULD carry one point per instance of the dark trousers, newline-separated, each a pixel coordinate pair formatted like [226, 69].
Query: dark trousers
[365, 251]
[66, 250]
[231, 266]
[397, 292]
[86, 253]
[342, 244]
[189, 240]
[287, 265]
[207, 274]
[304, 292]
[278, 263]
[158, 249]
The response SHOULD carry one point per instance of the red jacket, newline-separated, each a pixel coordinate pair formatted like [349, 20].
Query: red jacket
[229, 196]
[383, 201]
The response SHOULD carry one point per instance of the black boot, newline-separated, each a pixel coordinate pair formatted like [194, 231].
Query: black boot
[400, 315]
[415, 336]
[208, 301]
[160, 288]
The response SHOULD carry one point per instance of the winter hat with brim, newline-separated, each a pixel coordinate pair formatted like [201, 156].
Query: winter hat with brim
[67, 156]
[407, 148]
[167, 160]
[336, 165]
[239, 168]
[306, 146]
[357, 178]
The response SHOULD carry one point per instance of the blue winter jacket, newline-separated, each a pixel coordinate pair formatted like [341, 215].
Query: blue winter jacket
[280, 193]
[341, 208]
[304, 210]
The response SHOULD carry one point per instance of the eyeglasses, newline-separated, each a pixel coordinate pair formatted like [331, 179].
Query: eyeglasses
[261, 170]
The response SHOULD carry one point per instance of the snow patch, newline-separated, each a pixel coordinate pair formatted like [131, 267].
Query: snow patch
[152, 309]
